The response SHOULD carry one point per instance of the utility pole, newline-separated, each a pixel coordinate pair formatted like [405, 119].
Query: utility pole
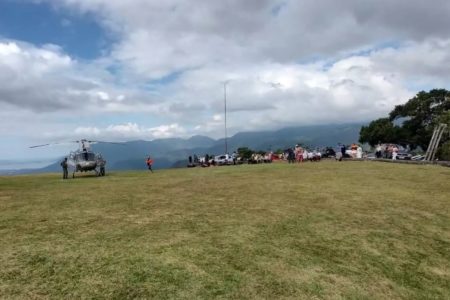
[225, 107]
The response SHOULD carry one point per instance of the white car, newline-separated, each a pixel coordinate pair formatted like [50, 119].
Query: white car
[418, 157]
[224, 159]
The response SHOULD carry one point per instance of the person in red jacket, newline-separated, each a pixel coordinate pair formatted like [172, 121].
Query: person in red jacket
[149, 163]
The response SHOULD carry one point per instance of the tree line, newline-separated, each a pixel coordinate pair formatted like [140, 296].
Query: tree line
[412, 124]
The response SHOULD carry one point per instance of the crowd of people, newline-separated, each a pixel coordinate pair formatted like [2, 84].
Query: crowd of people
[388, 151]
[299, 154]
[353, 151]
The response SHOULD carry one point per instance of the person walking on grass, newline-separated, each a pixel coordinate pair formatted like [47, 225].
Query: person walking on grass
[149, 163]
[64, 167]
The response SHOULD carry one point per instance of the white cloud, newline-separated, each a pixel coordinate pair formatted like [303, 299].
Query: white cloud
[44, 79]
[160, 37]
[165, 131]
[103, 96]
[130, 131]
[263, 96]
[290, 62]
[87, 131]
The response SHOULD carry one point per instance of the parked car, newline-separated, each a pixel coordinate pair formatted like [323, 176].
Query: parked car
[224, 159]
[418, 157]
[371, 156]
[328, 153]
[403, 155]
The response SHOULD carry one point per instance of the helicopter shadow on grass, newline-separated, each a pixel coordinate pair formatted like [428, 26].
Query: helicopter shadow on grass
[86, 176]
[89, 175]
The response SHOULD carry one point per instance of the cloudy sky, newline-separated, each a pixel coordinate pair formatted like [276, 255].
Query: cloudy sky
[144, 69]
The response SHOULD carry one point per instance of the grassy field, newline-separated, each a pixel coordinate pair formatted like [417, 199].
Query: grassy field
[357, 230]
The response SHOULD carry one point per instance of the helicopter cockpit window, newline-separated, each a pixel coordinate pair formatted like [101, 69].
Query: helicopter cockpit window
[86, 156]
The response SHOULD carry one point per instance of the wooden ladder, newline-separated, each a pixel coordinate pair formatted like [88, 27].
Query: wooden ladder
[434, 142]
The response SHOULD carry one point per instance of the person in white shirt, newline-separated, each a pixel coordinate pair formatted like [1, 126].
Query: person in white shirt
[394, 153]
[359, 152]
[378, 151]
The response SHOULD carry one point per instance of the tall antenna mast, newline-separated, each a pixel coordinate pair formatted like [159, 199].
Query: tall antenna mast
[225, 107]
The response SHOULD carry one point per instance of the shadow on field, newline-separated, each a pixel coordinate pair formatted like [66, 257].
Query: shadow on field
[87, 176]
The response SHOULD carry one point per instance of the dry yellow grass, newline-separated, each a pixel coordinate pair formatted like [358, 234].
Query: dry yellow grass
[323, 230]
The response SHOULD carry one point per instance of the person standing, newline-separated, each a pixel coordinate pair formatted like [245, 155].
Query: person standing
[149, 163]
[291, 156]
[343, 150]
[378, 151]
[64, 167]
[297, 153]
[101, 164]
[386, 152]
[394, 152]
[234, 157]
[359, 152]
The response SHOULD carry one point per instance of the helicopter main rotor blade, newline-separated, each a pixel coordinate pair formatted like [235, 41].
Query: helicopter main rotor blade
[39, 146]
[101, 142]
[49, 144]
[79, 141]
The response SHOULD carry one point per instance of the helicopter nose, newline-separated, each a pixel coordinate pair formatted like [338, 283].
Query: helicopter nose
[87, 164]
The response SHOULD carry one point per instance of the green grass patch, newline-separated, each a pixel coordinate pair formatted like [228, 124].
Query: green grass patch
[357, 230]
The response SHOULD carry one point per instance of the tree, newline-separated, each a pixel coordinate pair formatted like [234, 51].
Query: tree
[417, 118]
[245, 152]
[444, 151]
[381, 130]
[422, 114]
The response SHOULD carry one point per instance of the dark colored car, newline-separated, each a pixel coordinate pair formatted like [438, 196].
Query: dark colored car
[328, 152]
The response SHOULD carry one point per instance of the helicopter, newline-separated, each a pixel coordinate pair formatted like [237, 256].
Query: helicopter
[84, 159]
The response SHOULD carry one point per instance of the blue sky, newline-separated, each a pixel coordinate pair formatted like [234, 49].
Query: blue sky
[145, 69]
[40, 23]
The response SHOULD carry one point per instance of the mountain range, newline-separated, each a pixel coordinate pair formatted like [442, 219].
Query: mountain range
[174, 152]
